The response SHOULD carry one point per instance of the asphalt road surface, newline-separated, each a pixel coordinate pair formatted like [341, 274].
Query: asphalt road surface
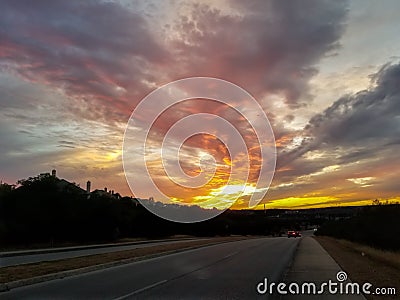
[33, 258]
[224, 271]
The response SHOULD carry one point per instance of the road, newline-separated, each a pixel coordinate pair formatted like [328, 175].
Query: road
[223, 271]
[33, 258]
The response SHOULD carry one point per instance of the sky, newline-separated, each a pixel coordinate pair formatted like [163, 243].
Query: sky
[325, 73]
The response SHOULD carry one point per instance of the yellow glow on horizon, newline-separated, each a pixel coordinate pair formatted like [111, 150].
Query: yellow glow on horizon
[221, 197]
[298, 202]
[314, 202]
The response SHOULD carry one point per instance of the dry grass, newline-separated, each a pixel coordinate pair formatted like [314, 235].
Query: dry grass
[366, 264]
[13, 273]
[386, 257]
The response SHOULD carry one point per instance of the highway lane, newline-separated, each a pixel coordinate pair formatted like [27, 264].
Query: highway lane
[224, 271]
[32, 258]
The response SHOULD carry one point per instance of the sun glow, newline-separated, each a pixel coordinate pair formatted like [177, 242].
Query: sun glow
[114, 155]
[224, 196]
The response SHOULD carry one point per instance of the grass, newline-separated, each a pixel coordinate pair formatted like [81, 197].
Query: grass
[365, 264]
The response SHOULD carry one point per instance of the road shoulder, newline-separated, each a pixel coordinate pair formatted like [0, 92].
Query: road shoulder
[312, 264]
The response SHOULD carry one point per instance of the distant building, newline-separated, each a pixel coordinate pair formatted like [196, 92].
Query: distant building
[64, 185]
[105, 193]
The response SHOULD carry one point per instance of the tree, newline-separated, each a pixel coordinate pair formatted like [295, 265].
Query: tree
[376, 202]
[6, 189]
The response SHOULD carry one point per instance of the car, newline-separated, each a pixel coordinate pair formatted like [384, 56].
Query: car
[292, 233]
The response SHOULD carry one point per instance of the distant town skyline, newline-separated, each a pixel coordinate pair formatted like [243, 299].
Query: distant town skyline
[326, 74]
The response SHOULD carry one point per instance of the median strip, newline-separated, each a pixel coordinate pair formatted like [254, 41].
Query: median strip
[15, 276]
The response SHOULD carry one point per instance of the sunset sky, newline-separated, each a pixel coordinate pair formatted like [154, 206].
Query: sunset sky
[326, 74]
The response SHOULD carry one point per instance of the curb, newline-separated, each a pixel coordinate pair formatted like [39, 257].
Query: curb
[3, 287]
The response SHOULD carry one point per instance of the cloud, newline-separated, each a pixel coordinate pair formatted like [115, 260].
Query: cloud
[358, 132]
[361, 123]
[107, 54]
[90, 50]
[266, 47]
[106, 57]
[369, 117]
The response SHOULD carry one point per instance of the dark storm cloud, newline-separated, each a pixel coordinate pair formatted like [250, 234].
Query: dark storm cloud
[356, 127]
[368, 117]
[356, 137]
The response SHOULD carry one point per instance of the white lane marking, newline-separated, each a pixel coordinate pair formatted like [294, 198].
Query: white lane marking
[141, 290]
[232, 254]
